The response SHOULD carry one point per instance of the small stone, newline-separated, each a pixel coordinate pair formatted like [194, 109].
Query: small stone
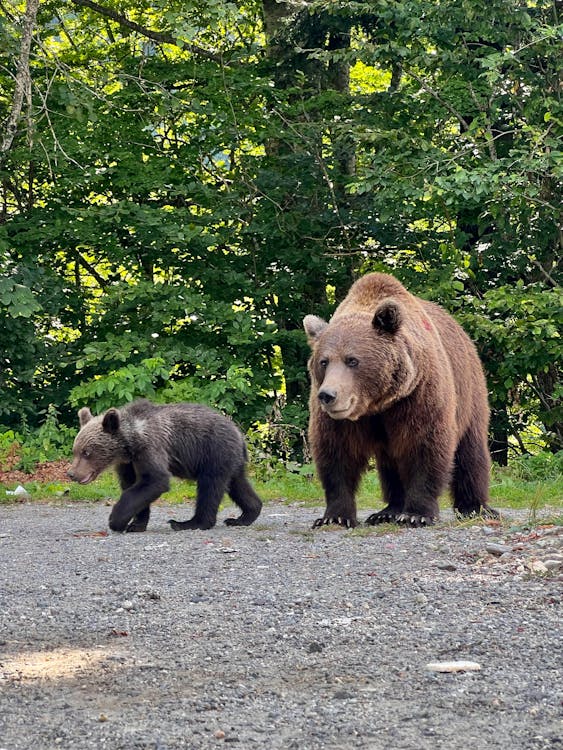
[497, 549]
[315, 647]
[102, 717]
[421, 599]
[553, 564]
[536, 566]
[219, 734]
[446, 566]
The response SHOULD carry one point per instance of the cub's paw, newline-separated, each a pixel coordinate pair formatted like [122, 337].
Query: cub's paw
[191, 524]
[347, 523]
[135, 527]
[240, 521]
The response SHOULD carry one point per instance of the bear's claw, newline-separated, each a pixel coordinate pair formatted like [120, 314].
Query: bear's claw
[412, 520]
[347, 523]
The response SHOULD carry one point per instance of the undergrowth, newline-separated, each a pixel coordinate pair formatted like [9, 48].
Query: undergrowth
[531, 481]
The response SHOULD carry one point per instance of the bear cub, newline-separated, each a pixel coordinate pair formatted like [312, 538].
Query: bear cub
[394, 377]
[148, 443]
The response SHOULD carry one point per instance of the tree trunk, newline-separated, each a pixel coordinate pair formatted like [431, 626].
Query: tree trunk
[23, 79]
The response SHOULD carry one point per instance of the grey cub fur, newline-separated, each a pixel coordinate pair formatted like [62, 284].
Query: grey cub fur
[148, 443]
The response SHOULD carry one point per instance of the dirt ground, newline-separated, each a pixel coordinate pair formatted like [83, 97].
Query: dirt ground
[50, 471]
[276, 636]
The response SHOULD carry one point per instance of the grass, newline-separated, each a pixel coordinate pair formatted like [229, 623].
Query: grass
[510, 488]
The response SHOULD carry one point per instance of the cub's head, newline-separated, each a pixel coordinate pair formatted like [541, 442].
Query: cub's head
[361, 363]
[98, 445]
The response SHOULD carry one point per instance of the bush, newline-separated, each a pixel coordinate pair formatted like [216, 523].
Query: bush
[26, 448]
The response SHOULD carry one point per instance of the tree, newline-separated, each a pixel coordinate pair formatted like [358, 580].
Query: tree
[187, 181]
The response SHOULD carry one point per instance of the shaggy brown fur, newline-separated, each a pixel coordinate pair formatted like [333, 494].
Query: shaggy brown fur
[148, 443]
[395, 377]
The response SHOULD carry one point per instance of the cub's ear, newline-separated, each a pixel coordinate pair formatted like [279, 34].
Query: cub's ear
[84, 416]
[388, 316]
[313, 326]
[110, 422]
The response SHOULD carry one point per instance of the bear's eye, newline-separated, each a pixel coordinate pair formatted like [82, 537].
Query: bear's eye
[86, 453]
[351, 362]
[323, 363]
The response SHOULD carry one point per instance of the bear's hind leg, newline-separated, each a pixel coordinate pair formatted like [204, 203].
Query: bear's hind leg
[210, 491]
[243, 494]
[470, 480]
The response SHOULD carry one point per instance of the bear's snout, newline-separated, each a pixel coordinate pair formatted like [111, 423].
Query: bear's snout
[327, 396]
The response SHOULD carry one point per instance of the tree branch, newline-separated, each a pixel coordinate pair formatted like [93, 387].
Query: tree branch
[157, 36]
[440, 99]
[81, 260]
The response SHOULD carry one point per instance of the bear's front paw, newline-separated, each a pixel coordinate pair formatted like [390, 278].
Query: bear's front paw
[191, 524]
[136, 526]
[412, 520]
[347, 523]
[382, 516]
[118, 524]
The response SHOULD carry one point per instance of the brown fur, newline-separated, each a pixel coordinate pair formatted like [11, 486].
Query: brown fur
[149, 443]
[396, 378]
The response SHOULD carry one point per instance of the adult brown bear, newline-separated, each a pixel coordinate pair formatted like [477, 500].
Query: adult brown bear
[396, 378]
[148, 443]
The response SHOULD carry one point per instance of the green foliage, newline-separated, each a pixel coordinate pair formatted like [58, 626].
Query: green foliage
[27, 447]
[517, 330]
[539, 467]
[181, 193]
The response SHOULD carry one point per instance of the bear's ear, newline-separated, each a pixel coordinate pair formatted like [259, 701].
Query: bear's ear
[84, 416]
[388, 316]
[110, 422]
[313, 326]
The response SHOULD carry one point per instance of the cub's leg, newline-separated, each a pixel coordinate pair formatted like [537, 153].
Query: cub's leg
[242, 493]
[127, 477]
[135, 500]
[140, 521]
[210, 491]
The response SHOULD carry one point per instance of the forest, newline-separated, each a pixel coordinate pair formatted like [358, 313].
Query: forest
[181, 183]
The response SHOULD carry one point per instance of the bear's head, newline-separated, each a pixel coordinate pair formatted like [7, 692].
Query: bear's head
[361, 363]
[98, 445]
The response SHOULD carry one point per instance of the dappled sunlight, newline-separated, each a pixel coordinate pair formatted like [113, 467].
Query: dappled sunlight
[53, 664]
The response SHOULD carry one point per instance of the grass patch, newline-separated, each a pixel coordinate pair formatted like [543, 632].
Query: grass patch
[513, 487]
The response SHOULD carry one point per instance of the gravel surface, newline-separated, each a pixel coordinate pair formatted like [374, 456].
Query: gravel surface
[275, 636]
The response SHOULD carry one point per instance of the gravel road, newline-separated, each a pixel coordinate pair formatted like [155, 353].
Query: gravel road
[275, 636]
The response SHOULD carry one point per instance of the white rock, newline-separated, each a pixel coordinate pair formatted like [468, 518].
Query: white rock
[536, 566]
[453, 666]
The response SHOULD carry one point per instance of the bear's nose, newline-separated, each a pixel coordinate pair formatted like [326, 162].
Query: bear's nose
[70, 474]
[327, 396]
